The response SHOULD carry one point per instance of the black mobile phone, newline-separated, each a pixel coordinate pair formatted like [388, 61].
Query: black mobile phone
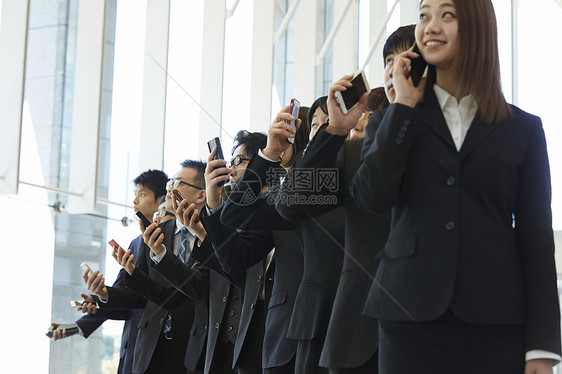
[418, 66]
[216, 142]
[144, 220]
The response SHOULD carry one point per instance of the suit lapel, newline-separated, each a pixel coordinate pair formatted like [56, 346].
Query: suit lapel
[477, 131]
[432, 117]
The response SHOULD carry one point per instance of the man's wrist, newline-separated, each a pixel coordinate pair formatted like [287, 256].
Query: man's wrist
[270, 154]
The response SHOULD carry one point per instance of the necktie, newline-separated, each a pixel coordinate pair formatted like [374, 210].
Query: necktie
[182, 255]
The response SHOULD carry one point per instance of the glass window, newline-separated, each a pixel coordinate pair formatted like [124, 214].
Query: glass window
[539, 81]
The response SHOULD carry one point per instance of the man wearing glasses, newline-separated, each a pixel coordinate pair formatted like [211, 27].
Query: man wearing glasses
[172, 329]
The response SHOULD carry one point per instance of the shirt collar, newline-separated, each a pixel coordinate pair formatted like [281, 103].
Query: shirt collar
[179, 227]
[467, 105]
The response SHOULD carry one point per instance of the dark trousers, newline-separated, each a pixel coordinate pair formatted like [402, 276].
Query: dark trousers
[249, 361]
[308, 357]
[288, 368]
[369, 367]
[222, 358]
[449, 345]
[167, 358]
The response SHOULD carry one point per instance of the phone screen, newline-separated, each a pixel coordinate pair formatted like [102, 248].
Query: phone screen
[295, 108]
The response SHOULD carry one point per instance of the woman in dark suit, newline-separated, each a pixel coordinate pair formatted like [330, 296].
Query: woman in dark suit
[467, 281]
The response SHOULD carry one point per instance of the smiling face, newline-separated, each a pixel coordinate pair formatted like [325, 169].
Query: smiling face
[437, 32]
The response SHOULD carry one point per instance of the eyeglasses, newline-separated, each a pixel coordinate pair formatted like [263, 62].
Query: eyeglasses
[162, 214]
[175, 183]
[238, 160]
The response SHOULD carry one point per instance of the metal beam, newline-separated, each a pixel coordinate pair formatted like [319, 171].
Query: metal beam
[380, 34]
[285, 23]
[13, 43]
[322, 54]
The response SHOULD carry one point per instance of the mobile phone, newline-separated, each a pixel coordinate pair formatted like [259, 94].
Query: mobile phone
[114, 245]
[177, 195]
[216, 142]
[418, 66]
[294, 108]
[143, 218]
[348, 98]
[85, 267]
[71, 329]
[179, 199]
[77, 304]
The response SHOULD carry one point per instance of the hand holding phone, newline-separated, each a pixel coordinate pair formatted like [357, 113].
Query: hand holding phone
[71, 329]
[76, 304]
[294, 108]
[348, 98]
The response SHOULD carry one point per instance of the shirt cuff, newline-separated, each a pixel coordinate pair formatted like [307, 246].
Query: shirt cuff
[214, 210]
[260, 153]
[157, 258]
[540, 354]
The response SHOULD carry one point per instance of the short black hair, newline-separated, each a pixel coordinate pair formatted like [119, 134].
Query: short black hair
[321, 103]
[199, 166]
[154, 180]
[400, 40]
[252, 142]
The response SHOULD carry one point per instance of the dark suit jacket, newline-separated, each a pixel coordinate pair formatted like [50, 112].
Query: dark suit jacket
[158, 299]
[90, 322]
[228, 239]
[471, 230]
[317, 288]
[216, 287]
[259, 214]
[352, 338]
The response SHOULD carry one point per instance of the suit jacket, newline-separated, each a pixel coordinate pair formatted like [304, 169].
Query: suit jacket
[250, 280]
[260, 214]
[351, 339]
[321, 240]
[471, 230]
[90, 322]
[158, 299]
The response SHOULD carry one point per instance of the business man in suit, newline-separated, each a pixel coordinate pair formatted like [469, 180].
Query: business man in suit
[278, 351]
[150, 189]
[236, 314]
[320, 238]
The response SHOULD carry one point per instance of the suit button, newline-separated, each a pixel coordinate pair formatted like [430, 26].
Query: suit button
[235, 298]
[451, 181]
[230, 328]
[398, 141]
[260, 278]
[231, 313]
[217, 325]
[206, 326]
[449, 226]
[401, 134]
[224, 299]
[404, 128]
[406, 122]
[252, 306]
